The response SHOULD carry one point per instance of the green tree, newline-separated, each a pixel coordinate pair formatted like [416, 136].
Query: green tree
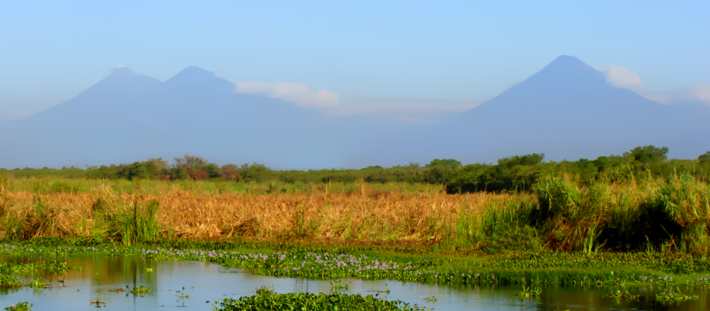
[647, 154]
[440, 171]
[193, 167]
[230, 172]
[704, 158]
[254, 172]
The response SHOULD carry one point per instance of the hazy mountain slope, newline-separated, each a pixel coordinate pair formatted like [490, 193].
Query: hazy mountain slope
[127, 117]
[567, 110]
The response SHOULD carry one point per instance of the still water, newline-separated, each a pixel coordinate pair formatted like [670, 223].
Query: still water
[105, 282]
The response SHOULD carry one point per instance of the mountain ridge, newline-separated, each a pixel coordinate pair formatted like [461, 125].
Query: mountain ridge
[567, 110]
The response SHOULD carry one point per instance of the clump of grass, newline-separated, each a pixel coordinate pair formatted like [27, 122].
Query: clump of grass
[140, 223]
[685, 203]
[622, 294]
[673, 296]
[20, 306]
[9, 281]
[506, 228]
[4, 205]
[671, 216]
[140, 291]
[530, 292]
[132, 224]
[38, 220]
[266, 299]
[302, 226]
[565, 214]
[339, 286]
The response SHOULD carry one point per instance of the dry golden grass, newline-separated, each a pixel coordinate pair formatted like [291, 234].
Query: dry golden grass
[364, 216]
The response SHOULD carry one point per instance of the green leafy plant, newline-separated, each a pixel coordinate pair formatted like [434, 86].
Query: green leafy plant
[268, 300]
[20, 306]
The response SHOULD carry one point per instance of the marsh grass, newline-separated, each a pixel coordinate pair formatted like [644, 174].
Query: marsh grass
[135, 223]
[106, 215]
[560, 214]
[652, 215]
[55, 185]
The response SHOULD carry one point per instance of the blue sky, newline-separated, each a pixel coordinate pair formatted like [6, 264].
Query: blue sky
[370, 55]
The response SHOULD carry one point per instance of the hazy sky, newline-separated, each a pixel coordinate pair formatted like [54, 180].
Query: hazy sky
[364, 54]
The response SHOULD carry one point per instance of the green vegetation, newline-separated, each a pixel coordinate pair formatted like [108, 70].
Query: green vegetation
[544, 269]
[628, 277]
[517, 173]
[140, 291]
[617, 223]
[20, 306]
[673, 296]
[637, 202]
[16, 271]
[268, 300]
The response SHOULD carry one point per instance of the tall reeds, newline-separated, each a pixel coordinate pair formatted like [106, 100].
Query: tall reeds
[560, 214]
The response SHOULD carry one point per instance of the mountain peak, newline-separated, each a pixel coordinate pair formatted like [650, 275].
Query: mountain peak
[565, 84]
[197, 70]
[194, 72]
[567, 64]
[121, 72]
[566, 72]
[121, 78]
[569, 59]
[196, 77]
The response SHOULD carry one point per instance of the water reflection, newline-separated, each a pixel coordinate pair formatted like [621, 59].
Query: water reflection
[105, 283]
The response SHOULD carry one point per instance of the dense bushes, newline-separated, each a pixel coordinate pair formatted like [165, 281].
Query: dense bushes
[517, 173]
[668, 215]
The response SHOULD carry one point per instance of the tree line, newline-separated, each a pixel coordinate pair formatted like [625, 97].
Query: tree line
[516, 173]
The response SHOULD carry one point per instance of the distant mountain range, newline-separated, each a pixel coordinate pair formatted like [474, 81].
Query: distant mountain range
[567, 110]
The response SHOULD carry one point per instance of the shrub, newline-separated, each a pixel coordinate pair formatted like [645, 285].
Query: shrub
[20, 306]
[267, 300]
[556, 198]
[498, 229]
[129, 225]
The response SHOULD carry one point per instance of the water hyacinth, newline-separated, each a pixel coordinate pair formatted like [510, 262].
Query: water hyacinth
[268, 300]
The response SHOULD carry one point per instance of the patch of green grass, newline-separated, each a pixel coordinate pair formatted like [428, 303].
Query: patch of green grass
[140, 291]
[17, 270]
[267, 300]
[673, 296]
[517, 269]
[20, 306]
[530, 292]
[9, 281]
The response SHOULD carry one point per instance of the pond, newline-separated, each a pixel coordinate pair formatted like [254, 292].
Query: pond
[105, 282]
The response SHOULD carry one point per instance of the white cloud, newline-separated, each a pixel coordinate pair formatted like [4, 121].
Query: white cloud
[295, 92]
[409, 109]
[623, 77]
[405, 109]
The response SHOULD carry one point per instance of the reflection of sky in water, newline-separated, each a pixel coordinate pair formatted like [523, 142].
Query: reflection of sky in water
[110, 279]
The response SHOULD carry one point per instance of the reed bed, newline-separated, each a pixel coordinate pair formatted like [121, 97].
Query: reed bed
[558, 214]
[366, 215]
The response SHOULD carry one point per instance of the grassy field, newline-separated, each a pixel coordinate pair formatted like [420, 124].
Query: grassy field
[111, 211]
[616, 236]
[653, 215]
[640, 201]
